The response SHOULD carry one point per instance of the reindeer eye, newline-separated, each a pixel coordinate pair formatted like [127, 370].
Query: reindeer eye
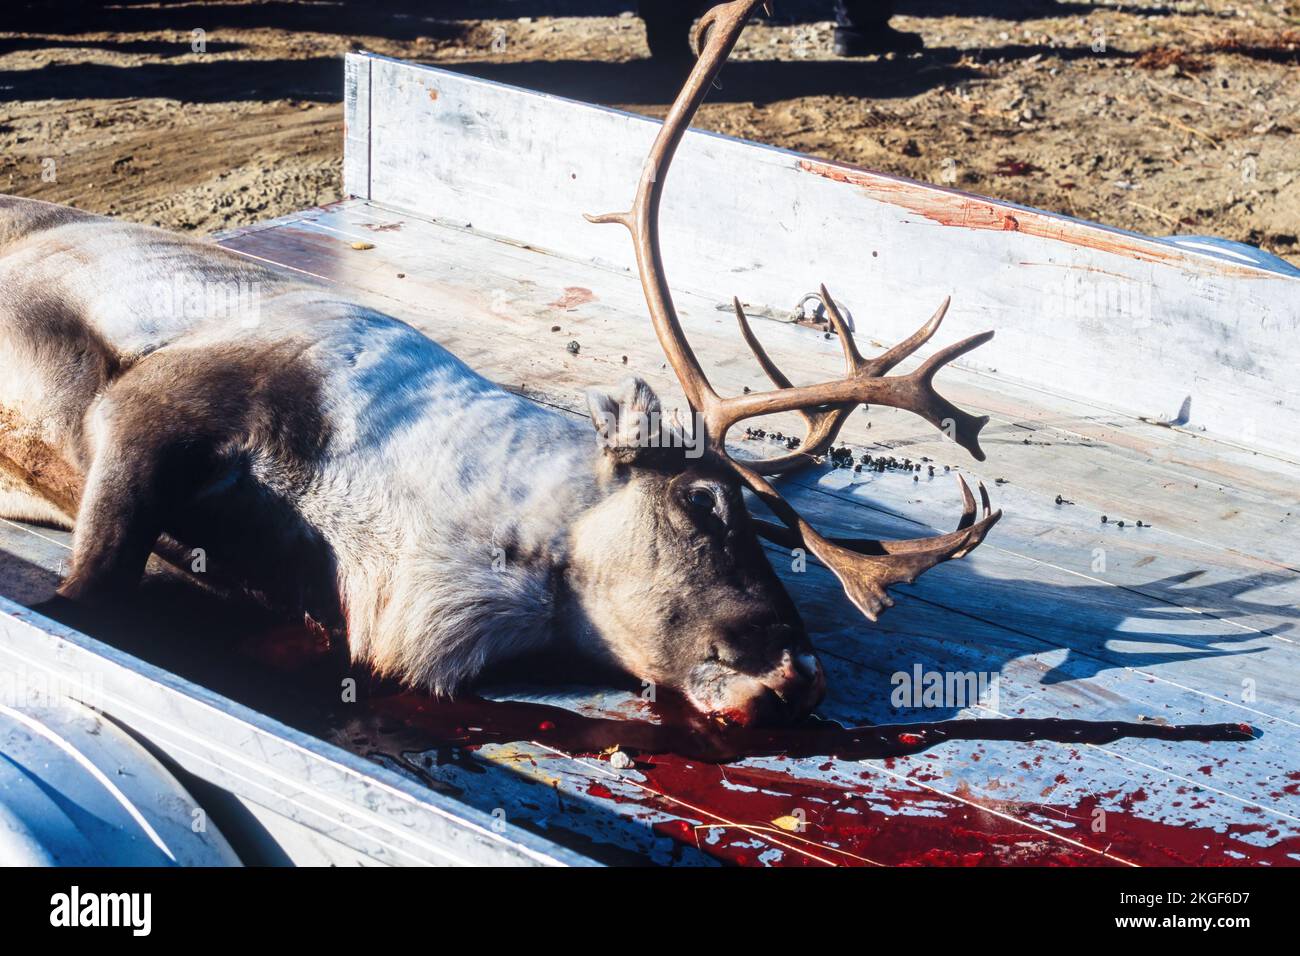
[702, 499]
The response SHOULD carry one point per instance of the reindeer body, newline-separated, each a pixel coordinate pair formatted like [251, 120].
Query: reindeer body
[158, 393]
[327, 455]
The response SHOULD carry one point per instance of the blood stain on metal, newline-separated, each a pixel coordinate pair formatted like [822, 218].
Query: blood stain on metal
[600, 791]
[905, 827]
[952, 208]
[573, 297]
[725, 809]
[686, 771]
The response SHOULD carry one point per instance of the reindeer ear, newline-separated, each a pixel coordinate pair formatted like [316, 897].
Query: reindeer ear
[627, 420]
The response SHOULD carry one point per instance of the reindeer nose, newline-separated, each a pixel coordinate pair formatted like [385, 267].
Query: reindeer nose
[798, 680]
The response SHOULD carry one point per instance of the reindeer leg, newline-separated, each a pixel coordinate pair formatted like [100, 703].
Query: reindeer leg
[145, 458]
[117, 524]
[37, 485]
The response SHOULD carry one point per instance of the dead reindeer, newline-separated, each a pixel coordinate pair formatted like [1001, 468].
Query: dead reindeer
[340, 464]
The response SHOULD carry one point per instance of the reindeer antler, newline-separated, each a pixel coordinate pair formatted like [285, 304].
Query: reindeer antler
[865, 567]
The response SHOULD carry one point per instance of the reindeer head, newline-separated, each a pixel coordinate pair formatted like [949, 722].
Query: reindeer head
[672, 577]
[708, 614]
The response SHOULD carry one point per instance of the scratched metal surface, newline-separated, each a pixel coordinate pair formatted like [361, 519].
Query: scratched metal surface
[1188, 619]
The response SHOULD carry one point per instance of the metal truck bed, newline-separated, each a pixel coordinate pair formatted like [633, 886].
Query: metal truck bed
[1146, 568]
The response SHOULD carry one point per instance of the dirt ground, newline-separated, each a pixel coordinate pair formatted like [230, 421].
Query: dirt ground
[1165, 117]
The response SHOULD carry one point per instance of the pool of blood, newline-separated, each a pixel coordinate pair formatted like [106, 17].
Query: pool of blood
[687, 761]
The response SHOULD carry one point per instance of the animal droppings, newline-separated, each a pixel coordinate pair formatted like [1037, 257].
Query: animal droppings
[841, 457]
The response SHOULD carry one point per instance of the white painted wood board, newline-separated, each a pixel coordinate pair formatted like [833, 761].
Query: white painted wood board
[1121, 321]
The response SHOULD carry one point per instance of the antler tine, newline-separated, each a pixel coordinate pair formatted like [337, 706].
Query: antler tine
[988, 509]
[789, 538]
[823, 424]
[968, 503]
[769, 367]
[903, 349]
[852, 357]
[953, 538]
[914, 393]
[867, 567]
[853, 360]
[961, 426]
[827, 406]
